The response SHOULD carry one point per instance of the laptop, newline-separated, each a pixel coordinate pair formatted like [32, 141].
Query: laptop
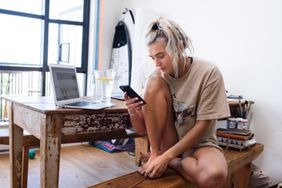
[66, 91]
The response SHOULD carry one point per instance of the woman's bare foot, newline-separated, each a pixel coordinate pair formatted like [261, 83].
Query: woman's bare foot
[175, 163]
[146, 160]
[144, 157]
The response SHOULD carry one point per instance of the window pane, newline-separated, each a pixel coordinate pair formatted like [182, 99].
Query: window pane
[66, 10]
[65, 44]
[21, 40]
[28, 6]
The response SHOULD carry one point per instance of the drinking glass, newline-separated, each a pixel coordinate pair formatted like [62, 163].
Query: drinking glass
[103, 86]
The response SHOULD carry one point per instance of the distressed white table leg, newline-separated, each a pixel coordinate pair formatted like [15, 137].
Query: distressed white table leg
[15, 142]
[50, 145]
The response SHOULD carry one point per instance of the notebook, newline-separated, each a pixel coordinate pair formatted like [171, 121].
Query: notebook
[66, 90]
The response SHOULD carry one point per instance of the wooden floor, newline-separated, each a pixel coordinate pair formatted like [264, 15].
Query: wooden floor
[81, 166]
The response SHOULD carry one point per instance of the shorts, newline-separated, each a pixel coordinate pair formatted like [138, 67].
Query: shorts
[201, 145]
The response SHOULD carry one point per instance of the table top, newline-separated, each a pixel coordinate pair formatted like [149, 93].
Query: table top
[47, 105]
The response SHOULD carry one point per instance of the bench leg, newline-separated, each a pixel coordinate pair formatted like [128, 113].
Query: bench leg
[141, 146]
[240, 178]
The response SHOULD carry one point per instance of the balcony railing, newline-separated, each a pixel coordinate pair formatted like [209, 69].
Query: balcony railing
[18, 83]
[23, 83]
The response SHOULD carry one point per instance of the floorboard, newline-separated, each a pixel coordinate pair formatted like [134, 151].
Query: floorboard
[81, 166]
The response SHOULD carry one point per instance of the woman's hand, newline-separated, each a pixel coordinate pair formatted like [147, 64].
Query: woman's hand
[133, 104]
[157, 167]
[136, 115]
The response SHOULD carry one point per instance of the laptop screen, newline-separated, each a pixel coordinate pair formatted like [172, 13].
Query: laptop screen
[65, 83]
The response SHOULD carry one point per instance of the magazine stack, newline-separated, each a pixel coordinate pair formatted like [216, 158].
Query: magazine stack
[237, 133]
[235, 138]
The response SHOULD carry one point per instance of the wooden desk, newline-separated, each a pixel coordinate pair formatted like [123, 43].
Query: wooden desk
[53, 126]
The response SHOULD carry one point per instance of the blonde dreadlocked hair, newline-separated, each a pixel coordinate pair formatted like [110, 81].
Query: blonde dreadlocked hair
[173, 36]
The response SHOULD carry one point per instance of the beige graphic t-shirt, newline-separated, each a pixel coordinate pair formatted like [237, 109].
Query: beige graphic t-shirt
[199, 95]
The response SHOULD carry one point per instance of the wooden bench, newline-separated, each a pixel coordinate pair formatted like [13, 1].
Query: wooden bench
[239, 172]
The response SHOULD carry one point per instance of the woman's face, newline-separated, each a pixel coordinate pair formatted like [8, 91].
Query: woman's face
[161, 58]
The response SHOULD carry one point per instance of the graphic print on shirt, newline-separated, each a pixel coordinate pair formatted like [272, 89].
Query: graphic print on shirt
[184, 113]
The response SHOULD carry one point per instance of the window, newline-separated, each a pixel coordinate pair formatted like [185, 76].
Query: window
[66, 10]
[30, 6]
[15, 34]
[36, 33]
[66, 45]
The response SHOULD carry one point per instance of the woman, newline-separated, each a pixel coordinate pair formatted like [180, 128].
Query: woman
[184, 97]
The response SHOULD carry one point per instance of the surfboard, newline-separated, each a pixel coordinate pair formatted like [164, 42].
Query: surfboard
[121, 56]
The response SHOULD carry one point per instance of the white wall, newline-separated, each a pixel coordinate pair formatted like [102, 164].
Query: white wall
[110, 15]
[244, 39]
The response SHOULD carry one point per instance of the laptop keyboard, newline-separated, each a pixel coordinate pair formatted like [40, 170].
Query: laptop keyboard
[81, 103]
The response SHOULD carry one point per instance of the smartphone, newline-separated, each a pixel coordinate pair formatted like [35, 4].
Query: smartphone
[131, 93]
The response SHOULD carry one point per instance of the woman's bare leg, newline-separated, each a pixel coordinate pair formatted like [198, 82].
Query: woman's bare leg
[158, 116]
[207, 167]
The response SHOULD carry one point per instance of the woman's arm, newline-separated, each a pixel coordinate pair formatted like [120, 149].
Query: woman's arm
[191, 138]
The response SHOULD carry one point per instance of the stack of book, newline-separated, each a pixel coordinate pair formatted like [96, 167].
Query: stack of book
[235, 138]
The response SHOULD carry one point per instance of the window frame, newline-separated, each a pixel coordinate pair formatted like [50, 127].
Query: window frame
[43, 68]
